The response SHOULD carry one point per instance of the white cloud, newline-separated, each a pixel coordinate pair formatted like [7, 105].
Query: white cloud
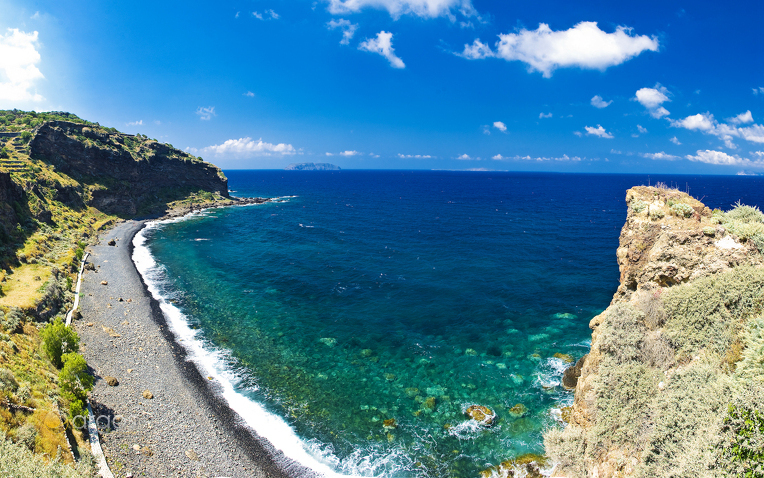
[383, 45]
[396, 8]
[36, 16]
[721, 158]
[583, 46]
[598, 131]
[18, 70]
[247, 147]
[698, 122]
[486, 129]
[498, 157]
[237, 15]
[207, 113]
[578, 133]
[330, 154]
[477, 51]
[259, 16]
[660, 156]
[272, 14]
[348, 29]
[416, 156]
[742, 118]
[641, 129]
[545, 115]
[373, 155]
[675, 140]
[250, 94]
[349, 153]
[135, 123]
[466, 25]
[598, 102]
[759, 90]
[464, 157]
[652, 98]
[500, 126]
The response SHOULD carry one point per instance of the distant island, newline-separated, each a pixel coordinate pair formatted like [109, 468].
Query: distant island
[312, 167]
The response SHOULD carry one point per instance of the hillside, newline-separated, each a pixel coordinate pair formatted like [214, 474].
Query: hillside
[674, 382]
[63, 179]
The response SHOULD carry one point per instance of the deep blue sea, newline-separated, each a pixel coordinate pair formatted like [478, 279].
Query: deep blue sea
[352, 321]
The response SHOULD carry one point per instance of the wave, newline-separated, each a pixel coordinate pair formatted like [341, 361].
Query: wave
[217, 364]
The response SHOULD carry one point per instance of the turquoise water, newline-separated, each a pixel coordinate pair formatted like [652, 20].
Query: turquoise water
[407, 296]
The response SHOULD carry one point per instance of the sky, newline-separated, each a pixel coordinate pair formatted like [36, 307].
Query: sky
[588, 86]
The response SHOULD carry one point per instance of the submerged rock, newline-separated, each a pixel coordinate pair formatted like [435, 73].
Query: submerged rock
[567, 358]
[481, 414]
[518, 410]
[528, 465]
[389, 424]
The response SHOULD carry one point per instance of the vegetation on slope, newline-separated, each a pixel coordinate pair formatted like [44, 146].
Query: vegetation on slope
[56, 194]
[679, 390]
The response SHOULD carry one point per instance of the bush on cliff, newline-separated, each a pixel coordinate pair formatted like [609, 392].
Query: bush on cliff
[17, 461]
[75, 383]
[57, 340]
[708, 312]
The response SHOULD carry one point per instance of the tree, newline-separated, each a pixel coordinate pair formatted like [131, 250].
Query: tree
[57, 340]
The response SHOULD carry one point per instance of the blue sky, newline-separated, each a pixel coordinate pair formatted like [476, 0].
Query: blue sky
[652, 86]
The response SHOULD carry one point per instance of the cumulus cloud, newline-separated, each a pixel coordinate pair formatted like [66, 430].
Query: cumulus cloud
[247, 147]
[705, 122]
[396, 8]
[758, 91]
[250, 94]
[349, 153]
[615, 151]
[598, 102]
[641, 129]
[660, 156]
[675, 140]
[742, 118]
[498, 157]
[652, 99]
[348, 29]
[583, 46]
[383, 45]
[206, 113]
[599, 131]
[465, 156]
[18, 66]
[500, 126]
[545, 115]
[722, 159]
[135, 123]
[415, 156]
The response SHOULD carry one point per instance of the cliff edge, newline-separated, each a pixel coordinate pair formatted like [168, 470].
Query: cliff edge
[678, 357]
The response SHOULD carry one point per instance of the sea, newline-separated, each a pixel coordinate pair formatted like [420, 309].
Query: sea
[354, 319]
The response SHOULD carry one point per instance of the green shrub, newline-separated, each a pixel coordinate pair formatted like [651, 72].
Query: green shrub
[8, 383]
[744, 213]
[741, 450]
[621, 333]
[26, 136]
[707, 312]
[75, 383]
[12, 321]
[19, 462]
[567, 448]
[682, 210]
[26, 436]
[58, 340]
[656, 214]
[651, 304]
[638, 205]
[686, 423]
[752, 363]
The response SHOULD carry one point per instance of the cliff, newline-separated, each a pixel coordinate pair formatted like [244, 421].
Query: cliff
[676, 359]
[123, 174]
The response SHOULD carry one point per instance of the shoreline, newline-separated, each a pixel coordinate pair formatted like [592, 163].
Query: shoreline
[206, 437]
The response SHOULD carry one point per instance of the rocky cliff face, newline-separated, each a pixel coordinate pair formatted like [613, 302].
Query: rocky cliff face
[124, 174]
[675, 255]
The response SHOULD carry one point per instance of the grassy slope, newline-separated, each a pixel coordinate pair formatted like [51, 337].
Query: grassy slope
[42, 239]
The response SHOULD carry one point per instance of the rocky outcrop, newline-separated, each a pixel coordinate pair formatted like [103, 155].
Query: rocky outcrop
[124, 174]
[669, 239]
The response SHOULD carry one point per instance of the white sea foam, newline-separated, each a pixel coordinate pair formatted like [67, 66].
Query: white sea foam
[214, 363]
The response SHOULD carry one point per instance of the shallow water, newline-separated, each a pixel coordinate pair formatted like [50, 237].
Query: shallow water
[370, 296]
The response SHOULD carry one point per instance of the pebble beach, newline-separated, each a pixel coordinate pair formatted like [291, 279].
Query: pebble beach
[157, 416]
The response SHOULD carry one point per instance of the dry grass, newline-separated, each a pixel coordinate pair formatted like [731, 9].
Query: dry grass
[22, 288]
